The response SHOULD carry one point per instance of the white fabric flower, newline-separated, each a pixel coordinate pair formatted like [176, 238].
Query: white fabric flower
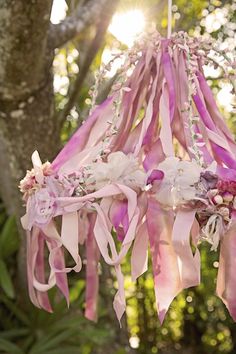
[178, 184]
[119, 168]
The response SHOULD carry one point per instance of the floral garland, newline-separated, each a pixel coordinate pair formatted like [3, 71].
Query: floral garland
[119, 175]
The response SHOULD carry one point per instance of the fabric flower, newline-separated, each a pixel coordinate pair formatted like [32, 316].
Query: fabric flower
[34, 178]
[28, 182]
[70, 183]
[119, 168]
[178, 184]
[41, 207]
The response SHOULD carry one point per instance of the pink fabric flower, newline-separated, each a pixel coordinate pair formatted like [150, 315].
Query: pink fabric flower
[41, 207]
[35, 177]
[27, 182]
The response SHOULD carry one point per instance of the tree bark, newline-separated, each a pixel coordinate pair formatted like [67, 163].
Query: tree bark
[26, 99]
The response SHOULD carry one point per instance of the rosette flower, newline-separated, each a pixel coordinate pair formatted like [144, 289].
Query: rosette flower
[119, 168]
[42, 207]
[179, 183]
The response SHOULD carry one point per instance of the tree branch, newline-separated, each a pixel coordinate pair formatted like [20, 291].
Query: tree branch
[82, 17]
[91, 53]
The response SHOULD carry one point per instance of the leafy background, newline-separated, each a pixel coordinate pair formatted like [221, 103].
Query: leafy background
[197, 321]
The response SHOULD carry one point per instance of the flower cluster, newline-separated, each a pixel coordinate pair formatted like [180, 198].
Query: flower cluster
[29, 184]
[42, 197]
[181, 185]
[221, 209]
[189, 186]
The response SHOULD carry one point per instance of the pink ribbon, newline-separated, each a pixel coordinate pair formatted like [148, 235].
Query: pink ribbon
[139, 255]
[69, 237]
[92, 280]
[226, 279]
[80, 138]
[102, 233]
[167, 281]
[189, 264]
[168, 73]
[35, 271]
[149, 114]
[165, 132]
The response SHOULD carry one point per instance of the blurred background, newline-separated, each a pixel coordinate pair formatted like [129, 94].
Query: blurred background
[50, 53]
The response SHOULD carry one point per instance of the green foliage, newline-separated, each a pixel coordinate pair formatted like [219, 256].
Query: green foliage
[9, 242]
[32, 331]
[5, 280]
[8, 347]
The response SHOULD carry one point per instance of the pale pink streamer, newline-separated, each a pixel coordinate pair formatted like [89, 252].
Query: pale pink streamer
[189, 266]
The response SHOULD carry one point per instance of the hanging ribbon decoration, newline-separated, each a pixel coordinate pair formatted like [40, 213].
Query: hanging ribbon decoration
[148, 166]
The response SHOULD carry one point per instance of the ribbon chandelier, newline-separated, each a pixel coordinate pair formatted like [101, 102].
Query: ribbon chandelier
[153, 165]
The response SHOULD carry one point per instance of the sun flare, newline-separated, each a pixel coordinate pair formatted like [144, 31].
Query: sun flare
[127, 26]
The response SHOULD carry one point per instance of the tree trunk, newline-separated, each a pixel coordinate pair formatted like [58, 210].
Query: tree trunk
[27, 119]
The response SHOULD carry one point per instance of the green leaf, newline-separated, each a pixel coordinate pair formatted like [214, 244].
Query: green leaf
[63, 350]
[51, 343]
[67, 322]
[16, 332]
[9, 238]
[15, 309]
[10, 348]
[3, 218]
[5, 280]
